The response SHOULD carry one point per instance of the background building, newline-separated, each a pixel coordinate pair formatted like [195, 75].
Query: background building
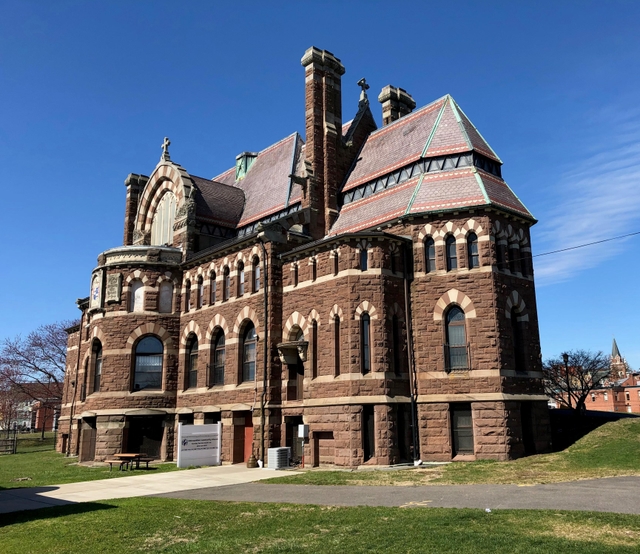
[375, 284]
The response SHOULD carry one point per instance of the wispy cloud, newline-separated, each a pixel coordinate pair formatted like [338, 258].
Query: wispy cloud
[599, 198]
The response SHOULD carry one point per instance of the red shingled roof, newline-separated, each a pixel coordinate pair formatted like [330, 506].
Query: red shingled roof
[267, 186]
[438, 129]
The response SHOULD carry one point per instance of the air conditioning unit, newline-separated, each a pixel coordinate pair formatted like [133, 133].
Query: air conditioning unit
[278, 458]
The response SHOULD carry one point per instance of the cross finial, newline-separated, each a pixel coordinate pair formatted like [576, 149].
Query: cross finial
[165, 149]
[362, 83]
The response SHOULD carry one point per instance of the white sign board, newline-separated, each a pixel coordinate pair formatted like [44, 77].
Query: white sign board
[199, 445]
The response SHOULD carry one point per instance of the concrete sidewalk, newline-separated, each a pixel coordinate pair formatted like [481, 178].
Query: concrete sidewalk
[615, 494]
[14, 500]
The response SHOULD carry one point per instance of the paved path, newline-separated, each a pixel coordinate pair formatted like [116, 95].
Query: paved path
[14, 500]
[616, 494]
[234, 483]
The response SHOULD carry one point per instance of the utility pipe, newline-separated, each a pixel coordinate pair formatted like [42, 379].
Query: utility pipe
[266, 347]
[75, 386]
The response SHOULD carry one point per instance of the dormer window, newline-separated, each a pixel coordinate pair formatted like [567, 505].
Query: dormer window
[244, 162]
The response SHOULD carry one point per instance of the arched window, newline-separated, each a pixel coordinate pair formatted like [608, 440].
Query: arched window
[525, 263]
[163, 220]
[165, 297]
[192, 362]
[216, 375]
[392, 260]
[451, 253]
[336, 346]
[240, 278]
[226, 283]
[97, 365]
[212, 287]
[429, 255]
[249, 341]
[295, 274]
[472, 251]
[187, 296]
[136, 296]
[94, 297]
[314, 269]
[365, 343]
[456, 340]
[256, 274]
[200, 293]
[501, 255]
[314, 349]
[395, 346]
[514, 258]
[517, 332]
[148, 364]
[364, 259]
[336, 263]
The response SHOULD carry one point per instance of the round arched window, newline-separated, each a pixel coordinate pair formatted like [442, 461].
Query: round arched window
[148, 364]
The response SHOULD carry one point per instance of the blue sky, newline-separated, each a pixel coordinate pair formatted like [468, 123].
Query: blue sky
[88, 91]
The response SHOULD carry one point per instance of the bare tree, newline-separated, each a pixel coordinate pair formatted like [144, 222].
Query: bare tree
[34, 366]
[570, 378]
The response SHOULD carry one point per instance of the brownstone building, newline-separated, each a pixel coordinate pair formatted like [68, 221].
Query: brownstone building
[373, 283]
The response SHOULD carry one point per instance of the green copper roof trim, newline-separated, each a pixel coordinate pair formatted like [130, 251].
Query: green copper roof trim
[476, 129]
[481, 185]
[413, 196]
[433, 131]
[454, 108]
[486, 196]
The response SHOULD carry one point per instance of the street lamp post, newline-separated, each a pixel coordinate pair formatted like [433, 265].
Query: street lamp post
[565, 357]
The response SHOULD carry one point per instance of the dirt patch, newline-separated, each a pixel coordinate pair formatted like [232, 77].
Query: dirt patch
[605, 535]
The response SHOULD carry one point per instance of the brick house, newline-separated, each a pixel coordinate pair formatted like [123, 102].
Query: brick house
[373, 283]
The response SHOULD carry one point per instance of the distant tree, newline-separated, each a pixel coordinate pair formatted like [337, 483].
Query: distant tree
[570, 378]
[34, 365]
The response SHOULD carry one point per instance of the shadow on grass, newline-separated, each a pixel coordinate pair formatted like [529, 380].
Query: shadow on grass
[55, 508]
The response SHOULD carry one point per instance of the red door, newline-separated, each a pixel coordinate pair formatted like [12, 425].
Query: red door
[248, 436]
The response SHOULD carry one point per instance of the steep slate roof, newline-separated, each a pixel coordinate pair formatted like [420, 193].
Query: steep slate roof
[438, 129]
[266, 186]
[217, 202]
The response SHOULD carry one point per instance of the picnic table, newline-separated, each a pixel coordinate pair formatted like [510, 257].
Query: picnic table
[129, 459]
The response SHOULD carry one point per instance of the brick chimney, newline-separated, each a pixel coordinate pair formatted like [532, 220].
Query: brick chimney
[396, 102]
[135, 185]
[323, 123]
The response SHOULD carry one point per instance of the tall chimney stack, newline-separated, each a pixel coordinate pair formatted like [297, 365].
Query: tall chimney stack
[323, 122]
[396, 102]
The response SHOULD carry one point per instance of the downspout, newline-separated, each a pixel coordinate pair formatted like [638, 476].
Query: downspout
[412, 369]
[75, 387]
[263, 396]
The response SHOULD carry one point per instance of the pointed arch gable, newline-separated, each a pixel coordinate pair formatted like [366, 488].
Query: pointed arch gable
[246, 313]
[218, 322]
[454, 296]
[365, 307]
[514, 300]
[167, 176]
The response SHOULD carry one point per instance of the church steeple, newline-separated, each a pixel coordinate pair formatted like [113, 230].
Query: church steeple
[615, 353]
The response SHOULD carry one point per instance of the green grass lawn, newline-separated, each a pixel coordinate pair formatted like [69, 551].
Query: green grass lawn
[51, 468]
[168, 525]
[613, 449]
[32, 442]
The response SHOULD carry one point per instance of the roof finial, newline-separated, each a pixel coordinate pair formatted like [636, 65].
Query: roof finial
[362, 83]
[165, 150]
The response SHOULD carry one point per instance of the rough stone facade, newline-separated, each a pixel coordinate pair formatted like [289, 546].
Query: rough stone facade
[336, 308]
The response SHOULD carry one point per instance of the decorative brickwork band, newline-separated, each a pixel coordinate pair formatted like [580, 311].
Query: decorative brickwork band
[368, 308]
[246, 313]
[218, 322]
[192, 327]
[296, 319]
[454, 296]
[515, 300]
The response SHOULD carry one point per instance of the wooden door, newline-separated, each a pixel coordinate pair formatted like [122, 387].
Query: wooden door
[462, 428]
[88, 440]
[248, 436]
